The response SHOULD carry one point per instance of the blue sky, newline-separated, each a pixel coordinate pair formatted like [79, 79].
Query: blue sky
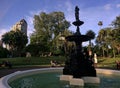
[91, 12]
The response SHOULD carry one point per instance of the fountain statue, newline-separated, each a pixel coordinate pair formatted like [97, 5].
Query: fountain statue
[79, 65]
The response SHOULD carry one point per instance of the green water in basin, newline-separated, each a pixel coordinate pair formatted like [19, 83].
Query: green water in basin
[51, 80]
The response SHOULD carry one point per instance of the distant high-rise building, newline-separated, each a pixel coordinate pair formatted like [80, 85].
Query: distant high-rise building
[21, 25]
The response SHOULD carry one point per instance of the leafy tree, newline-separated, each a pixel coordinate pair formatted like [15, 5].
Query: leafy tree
[62, 45]
[59, 24]
[100, 40]
[36, 49]
[4, 52]
[116, 27]
[116, 22]
[16, 40]
[47, 28]
[108, 39]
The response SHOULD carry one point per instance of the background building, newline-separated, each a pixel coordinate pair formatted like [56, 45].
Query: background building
[21, 25]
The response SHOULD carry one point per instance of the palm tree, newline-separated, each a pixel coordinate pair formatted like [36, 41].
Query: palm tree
[6, 39]
[116, 25]
[91, 34]
[101, 40]
[115, 41]
[16, 40]
[100, 23]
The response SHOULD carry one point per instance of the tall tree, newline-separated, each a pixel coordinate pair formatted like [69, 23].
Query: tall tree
[116, 27]
[110, 37]
[116, 22]
[16, 40]
[59, 24]
[61, 41]
[107, 39]
[100, 40]
[48, 26]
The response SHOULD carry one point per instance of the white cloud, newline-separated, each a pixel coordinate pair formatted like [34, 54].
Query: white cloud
[30, 28]
[29, 20]
[118, 5]
[2, 31]
[107, 7]
[34, 12]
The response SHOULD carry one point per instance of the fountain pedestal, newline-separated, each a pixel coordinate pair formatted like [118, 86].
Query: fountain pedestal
[78, 65]
[79, 68]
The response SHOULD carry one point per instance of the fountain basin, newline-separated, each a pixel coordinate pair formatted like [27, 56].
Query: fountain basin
[4, 81]
[7, 79]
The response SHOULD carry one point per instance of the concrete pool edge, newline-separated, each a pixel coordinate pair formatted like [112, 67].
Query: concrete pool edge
[4, 80]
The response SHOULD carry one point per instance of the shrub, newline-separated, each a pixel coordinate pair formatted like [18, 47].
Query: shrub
[4, 52]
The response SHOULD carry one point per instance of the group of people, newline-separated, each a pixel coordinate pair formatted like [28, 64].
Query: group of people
[54, 63]
[92, 58]
[6, 64]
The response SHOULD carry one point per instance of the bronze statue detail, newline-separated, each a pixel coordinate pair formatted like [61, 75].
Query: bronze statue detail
[77, 13]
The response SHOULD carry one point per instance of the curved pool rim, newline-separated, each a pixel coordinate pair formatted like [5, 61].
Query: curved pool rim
[6, 79]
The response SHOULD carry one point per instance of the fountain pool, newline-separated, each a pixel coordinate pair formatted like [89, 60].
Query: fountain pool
[49, 78]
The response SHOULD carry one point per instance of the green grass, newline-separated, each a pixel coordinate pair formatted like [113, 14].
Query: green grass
[108, 62]
[45, 61]
[23, 61]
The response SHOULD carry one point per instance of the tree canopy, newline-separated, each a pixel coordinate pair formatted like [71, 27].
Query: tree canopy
[16, 40]
[109, 38]
[47, 28]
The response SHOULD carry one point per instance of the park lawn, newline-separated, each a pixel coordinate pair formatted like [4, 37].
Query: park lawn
[33, 61]
[108, 62]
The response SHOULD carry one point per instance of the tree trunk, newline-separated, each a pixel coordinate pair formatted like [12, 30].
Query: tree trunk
[118, 50]
[114, 53]
[103, 53]
[89, 48]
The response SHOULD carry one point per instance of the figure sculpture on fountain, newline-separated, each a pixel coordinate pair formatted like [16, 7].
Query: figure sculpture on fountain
[77, 13]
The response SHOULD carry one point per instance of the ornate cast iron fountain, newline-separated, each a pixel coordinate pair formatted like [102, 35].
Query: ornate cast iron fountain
[78, 64]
